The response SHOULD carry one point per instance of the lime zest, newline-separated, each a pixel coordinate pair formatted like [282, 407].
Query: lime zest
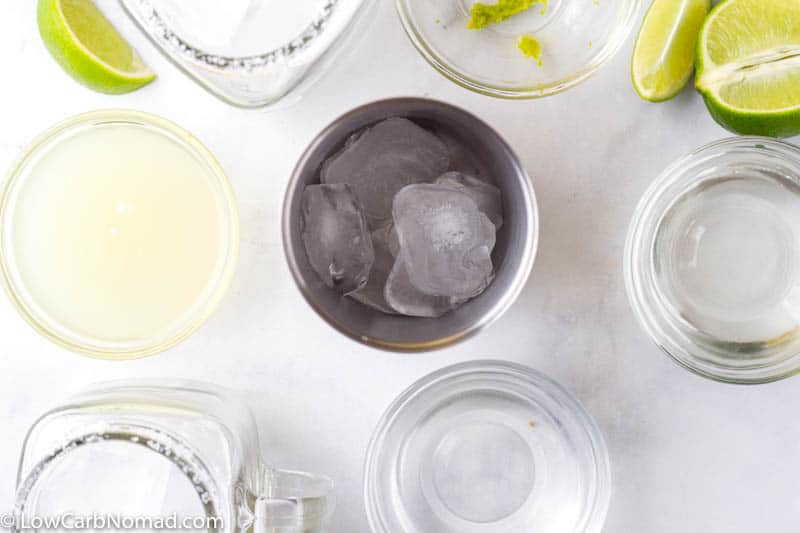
[530, 47]
[483, 15]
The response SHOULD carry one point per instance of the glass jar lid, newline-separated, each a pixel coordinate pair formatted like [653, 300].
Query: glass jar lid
[487, 446]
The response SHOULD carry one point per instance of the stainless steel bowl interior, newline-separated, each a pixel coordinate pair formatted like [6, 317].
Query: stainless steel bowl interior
[513, 255]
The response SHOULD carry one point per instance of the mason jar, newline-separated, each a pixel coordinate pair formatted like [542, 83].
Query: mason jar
[145, 453]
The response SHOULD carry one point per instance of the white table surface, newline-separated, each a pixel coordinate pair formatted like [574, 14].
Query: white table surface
[688, 455]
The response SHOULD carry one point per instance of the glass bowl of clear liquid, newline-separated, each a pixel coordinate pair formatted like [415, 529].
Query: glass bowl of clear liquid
[250, 53]
[712, 264]
[159, 455]
[576, 38]
[487, 447]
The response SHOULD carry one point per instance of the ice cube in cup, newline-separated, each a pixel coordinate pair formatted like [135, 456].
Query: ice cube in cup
[372, 293]
[487, 196]
[445, 239]
[378, 162]
[336, 237]
[408, 300]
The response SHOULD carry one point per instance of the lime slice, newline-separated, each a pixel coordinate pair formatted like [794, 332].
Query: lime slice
[663, 59]
[748, 66]
[89, 48]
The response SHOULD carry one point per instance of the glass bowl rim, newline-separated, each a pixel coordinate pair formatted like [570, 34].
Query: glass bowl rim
[187, 142]
[491, 369]
[622, 30]
[637, 284]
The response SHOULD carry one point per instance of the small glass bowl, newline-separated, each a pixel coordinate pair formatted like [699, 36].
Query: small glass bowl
[577, 37]
[484, 447]
[38, 312]
[712, 262]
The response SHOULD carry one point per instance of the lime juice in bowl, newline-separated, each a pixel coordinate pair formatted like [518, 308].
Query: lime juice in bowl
[119, 234]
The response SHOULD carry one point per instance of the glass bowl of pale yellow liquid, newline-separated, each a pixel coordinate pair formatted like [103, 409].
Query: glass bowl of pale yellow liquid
[118, 234]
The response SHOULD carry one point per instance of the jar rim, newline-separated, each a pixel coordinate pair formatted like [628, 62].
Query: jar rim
[147, 438]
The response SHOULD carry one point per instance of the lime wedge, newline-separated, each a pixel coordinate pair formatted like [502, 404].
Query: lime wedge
[748, 66]
[89, 48]
[663, 58]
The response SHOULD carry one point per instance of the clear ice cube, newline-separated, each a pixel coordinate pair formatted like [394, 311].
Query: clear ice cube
[462, 158]
[488, 197]
[393, 241]
[378, 162]
[372, 294]
[407, 300]
[445, 239]
[336, 237]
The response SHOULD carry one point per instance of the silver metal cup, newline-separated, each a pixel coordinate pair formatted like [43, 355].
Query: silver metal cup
[513, 255]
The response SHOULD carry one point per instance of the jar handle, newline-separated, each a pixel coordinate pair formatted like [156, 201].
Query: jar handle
[292, 502]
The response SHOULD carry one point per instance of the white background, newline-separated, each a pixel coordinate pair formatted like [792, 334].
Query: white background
[688, 455]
